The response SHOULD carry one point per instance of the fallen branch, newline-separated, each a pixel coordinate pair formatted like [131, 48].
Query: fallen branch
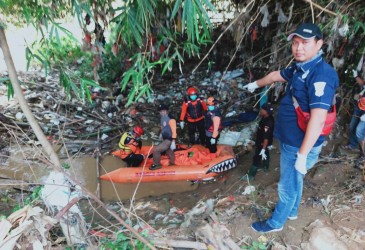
[63, 211]
[321, 8]
[99, 118]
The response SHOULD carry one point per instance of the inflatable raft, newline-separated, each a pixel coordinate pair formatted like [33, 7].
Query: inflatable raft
[194, 164]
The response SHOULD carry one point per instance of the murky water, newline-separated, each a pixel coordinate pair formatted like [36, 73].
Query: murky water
[26, 165]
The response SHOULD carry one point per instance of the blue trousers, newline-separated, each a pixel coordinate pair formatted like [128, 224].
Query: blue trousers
[290, 187]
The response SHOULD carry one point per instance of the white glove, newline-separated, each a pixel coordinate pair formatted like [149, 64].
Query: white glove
[263, 155]
[354, 73]
[182, 124]
[173, 145]
[301, 163]
[212, 141]
[362, 118]
[251, 86]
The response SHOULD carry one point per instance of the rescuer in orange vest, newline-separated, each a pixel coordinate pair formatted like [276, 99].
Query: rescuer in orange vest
[193, 110]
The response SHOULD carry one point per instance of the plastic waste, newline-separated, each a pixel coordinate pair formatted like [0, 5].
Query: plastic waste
[19, 116]
[249, 190]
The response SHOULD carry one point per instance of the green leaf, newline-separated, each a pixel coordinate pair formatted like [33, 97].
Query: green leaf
[66, 32]
[85, 92]
[176, 8]
[165, 67]
[92, 83]
[126, 78]
[10, 91]
[131, 97]
[68, 84]
[179, 56]
[44, 62]
[51, 31]
[262, 246]
[28, 56]
[121, 237]
[209, 4]
[142, 92]
[57, 36]
[359, 25]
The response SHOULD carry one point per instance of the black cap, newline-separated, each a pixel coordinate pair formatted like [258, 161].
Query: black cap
[269, 109]
[162, 107]
[306, 31]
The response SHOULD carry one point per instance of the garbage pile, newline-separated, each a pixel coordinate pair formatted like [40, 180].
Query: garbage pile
[75, 124]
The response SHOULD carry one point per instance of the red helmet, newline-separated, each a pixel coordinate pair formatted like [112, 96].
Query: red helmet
[138, 130]
[361, 103]
[211, 101]
[192, 91]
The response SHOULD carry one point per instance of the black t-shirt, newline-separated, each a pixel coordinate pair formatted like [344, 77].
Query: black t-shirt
[265, 130]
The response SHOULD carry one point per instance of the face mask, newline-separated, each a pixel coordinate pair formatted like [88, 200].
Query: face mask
[193, 97]
[210, 108]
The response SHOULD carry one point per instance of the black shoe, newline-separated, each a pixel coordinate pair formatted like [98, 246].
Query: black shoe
[154, 167]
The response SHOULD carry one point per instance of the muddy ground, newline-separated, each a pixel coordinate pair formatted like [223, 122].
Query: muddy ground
[333, 193]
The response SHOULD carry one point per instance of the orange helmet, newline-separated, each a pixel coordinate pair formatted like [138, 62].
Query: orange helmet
[192, 91]
[211, 101]
[138, 130]
[361, 103]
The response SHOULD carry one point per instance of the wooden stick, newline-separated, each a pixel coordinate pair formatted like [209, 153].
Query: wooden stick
[63, 211]
[99, 118]
[321, 8]
[97, 152]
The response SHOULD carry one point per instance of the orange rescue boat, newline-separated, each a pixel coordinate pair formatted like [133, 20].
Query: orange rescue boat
[194, 164]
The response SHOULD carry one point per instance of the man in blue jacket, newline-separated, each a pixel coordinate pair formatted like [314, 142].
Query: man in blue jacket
[313, 83]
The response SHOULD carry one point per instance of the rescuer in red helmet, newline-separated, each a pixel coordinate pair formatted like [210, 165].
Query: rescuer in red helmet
[193, 110]
[130, 144]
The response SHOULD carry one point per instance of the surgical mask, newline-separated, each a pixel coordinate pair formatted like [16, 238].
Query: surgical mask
[193, 97]
[210, 108]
